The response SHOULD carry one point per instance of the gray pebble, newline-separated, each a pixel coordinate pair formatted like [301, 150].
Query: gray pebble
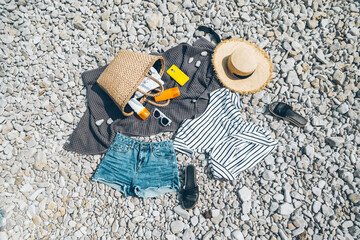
[268, 175]
[335, 141]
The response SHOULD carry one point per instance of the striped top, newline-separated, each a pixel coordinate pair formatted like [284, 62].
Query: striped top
[233, 145]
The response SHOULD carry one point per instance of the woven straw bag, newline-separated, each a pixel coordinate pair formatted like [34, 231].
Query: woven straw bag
[124, 74]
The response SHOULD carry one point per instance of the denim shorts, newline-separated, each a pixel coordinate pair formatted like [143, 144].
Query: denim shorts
[140, 169]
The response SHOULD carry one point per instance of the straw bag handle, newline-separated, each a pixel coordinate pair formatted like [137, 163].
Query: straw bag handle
[143, 99]
[156, 94]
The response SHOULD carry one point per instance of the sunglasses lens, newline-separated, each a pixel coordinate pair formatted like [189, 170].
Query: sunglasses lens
[164, 121]
[156, 113]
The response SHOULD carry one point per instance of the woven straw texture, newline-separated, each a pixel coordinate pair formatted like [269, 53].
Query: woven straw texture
[254, 83]
[125, 73]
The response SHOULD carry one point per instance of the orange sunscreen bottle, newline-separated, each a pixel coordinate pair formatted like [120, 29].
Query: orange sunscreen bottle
[168, 94]
[141, 111]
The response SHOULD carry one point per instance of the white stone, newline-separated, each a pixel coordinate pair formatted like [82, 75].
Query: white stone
[343, 108]
[137, 219]
[321, 184]
[72, 223]
[187, 4]
[7, 39]
[26, 188]
[268, 175]
[3, 236]
[309, 151]
[327, 211]
[194, 220]
[105, 25]
[244, 194]
[339, 77]
[316, 206]
[36, 39]
[67, 117]
[237, 235]
[177, 227]
[188, 235]
[319, 121]
[296, 46]
[182, 212]
[78, 234]
[99, 122]
[316, 191]
[312, 23]
[61, 181]
[33, 196]
[40, 161]
[204, 53]
[286, 209]
[320, 56]
[154, 20]
[300, 25]
[215, 213]
[246, 207]
[245, 17]
[293, 78]
[274, 206]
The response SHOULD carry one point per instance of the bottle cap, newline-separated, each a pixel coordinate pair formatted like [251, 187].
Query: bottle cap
[144, 114]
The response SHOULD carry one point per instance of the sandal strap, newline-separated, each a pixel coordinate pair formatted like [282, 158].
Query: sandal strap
[191, 194]
[282, 108]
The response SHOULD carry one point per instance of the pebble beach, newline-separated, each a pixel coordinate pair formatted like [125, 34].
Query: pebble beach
[307, 188]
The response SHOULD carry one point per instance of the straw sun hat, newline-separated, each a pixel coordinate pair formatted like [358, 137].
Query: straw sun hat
[242, 66]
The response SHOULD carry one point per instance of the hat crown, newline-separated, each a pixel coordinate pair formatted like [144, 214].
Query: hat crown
[243, 61]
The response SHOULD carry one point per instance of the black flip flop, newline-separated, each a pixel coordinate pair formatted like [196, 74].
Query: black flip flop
[283, 110]
[190, 194]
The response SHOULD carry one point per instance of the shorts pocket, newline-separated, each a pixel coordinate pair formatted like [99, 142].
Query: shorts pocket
[120, 147]
[163, 152]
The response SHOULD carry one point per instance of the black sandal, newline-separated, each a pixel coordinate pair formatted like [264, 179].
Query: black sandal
[190, 194]
[283, 110]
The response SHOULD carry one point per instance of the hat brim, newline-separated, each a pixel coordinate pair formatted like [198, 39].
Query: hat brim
[256, 81]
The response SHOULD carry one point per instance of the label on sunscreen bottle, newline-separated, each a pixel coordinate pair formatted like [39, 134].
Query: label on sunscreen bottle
[177, 75]
[168, 94]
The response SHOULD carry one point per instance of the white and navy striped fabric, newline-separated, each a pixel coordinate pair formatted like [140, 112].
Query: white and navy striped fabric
[233, 145]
